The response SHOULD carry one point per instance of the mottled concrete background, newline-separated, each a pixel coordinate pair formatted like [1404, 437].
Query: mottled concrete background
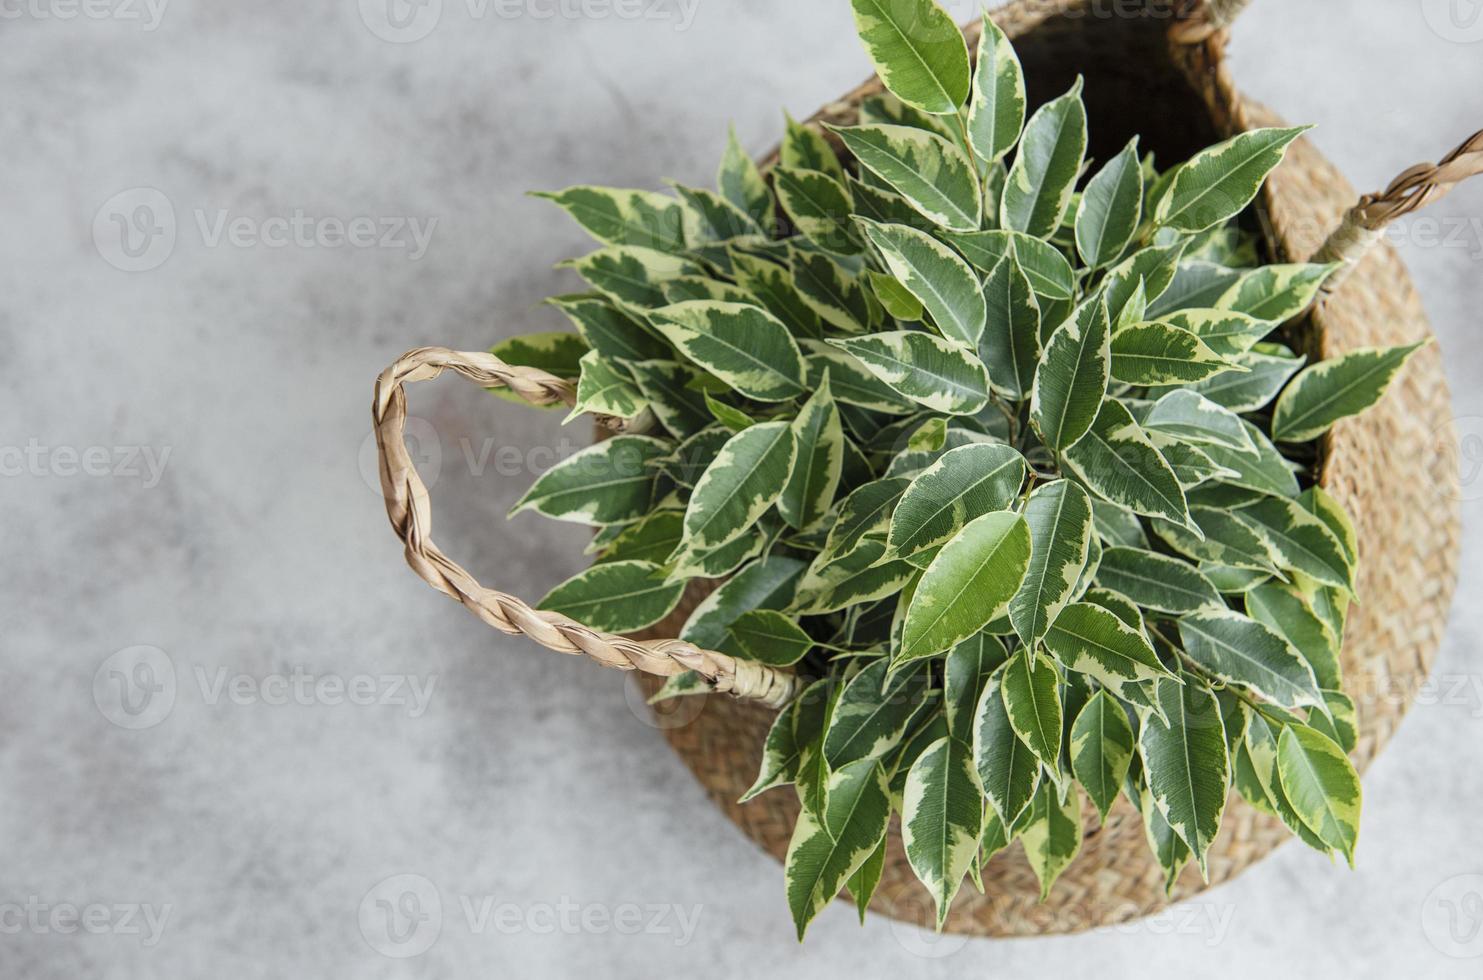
[184, 450]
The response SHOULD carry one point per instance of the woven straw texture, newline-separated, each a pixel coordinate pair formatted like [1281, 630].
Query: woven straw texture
[1390, 468]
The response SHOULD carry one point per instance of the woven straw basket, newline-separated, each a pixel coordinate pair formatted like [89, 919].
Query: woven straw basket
[1162, 75]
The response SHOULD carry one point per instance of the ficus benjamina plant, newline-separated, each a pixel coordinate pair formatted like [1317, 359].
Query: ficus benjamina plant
[1003, 450]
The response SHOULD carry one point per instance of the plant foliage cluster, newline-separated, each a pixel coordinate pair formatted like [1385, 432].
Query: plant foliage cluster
[1000, 447]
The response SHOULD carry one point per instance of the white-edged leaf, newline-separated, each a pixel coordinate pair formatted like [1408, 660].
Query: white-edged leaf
[967, 586]
[1046, 166]
[1101, 749]
[1010, 348]
[1283, 609]
[837, 297]
[1050, 274]
[666, 386]
[819, 207]
[610, 331]
[933, 175]
[966, 674]
[941, 818]
[1226, 332]
[611, 482]
[933, 273]
[616, 216]
[866, 511]
[632, 276]
[1217, 184]
[1154, 353]
[872, 714]
[1335, 389]
[918, 52]
[1060, 518]
[963, 484]
[805, 148]
[826, 850]
[740, 182]
[1052, 836]
[1119, 462]
[997, 110]
[745, 346]
[1007, 769]
[1186, 762]
[1030, 689]
[810, 489]
[767, 636]
[766, 584]
[780, 754]
[1192, 417]
[1156, 581]
[1091, 640]
[619, 596]
[1071, 380]
[924, 368]
[1276, 293]
[1241, 651]
[1110, 209]
[745, 479]
[851, 382]
[1299, 540]
[1321, 785]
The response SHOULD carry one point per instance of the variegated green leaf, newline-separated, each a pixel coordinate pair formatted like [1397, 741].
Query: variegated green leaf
[1110, 209]
[688, 288]
[1217, 184]
[1299, 540]
[1282, 609]
[941, 818]
[1119, 605]
[1011, 343]
[603, 390]
[820, 461]
[733, 418]
[737, 488]
[1119, 462]
[609, 331]
[632, 277]
[714, 218]
[805, 148]
[967, 586]
[615, 216]
[1052, 837]
[863, 883]
[776, 291]
[780, 754]
[858, 578]
[1197, 285]
[1049, 273]
[1031, 693]
[619, 597]
[1153, 353]
[872, 714]
[769, 637]
[835, 296]
[1101, 750]
[1071, 380]
[1322, 786]
[826, 850]
[1117, 525]
[766, 584]
[926, 369]
[966, 673]
[1266, 472]
[741, 182]
[1327, 509]
[851, 382]
[609, 483]
[1008, 770]
[1243, 652]
[1060, 518]
[1224, 331]
[1227, 541]
[1147, 273]
[997, 111]
[689, 562]
[1186, 762]
[963, 484]
[1336, 389]
[652, 539]
[1275, 293]
[1046, 167]
[1091, 640]
[1156, 581]
[555, 353]
[894, 297]
[1265, 375]
[934, 274]
[918, 52]
[865, 512]
[745, 346]
[819, 207]
[1169, 849]
[1192, 417]
[933, 175]
[665, 386]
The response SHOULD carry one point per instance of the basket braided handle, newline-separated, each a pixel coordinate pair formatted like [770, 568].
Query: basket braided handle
[1200, 20]
[408, 506]
[1363, 226]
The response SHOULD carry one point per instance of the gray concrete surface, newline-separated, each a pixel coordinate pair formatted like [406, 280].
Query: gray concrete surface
[243, 822]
